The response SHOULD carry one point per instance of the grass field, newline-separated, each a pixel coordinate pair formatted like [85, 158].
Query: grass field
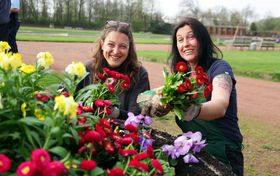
[256, 64]
[261, 138]
[75, 35]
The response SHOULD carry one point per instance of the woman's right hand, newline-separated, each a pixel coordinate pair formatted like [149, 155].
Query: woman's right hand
[155, 108]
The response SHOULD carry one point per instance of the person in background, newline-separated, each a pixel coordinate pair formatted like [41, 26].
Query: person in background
[5, 6]
[115, 49]
[14, 25]
[217, 118]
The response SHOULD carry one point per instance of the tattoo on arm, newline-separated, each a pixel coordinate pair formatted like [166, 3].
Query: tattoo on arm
[224, 81]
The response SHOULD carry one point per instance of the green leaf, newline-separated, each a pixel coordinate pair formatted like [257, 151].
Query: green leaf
[97, 171]
[58, 150]
[179, 112]
[75, 135]
[31, 121]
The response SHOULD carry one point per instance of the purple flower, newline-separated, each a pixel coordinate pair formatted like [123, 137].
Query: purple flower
[189, 158]
[144, 142]
[148, 120]
[182, 145]
[167, 149]
[133, 120]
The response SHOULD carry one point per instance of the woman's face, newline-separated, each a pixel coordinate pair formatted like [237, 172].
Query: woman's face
[115, 48]
[187, 45]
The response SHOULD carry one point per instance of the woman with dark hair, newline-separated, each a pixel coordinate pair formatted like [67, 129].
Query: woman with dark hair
[217, 117]
[115, 49]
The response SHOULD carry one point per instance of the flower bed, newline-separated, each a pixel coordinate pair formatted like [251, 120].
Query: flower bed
[61, 132]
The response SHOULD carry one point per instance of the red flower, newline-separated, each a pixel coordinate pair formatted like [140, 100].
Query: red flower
[108, 102]
[182, 88]
[88, 109]
[126, 152]
[40, 158]
[141, 156]
[205, 77]
[115, 74]
[157, 166]
[93, 136]
[141, 166]
[106, 70]
[111, 88]
[199, 70]
[199, 80]
[99, 103]
[108, 146]
[195, 94]
[125, 85]
[188, 84]
[125, 78]
[87, 165]
[101, 77]
[126, 141]
[115, 172]
[5, 163]
[25, 169]
[135, 137]
[207, 91]
[42, 97]
[150, 151]
[65, 93]
[131, 128]
[54, 168]
[181, 67]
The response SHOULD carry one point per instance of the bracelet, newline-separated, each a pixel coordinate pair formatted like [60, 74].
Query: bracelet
[195, 117]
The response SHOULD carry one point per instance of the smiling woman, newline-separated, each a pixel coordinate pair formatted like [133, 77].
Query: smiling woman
[115, 50]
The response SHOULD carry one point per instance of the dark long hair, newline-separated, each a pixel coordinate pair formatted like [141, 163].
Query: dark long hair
[131, 64]
[208, 52]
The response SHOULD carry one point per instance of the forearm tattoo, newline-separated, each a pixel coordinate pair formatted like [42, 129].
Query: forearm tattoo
[224, 81]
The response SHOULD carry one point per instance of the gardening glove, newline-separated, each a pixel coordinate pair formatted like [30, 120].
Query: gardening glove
[149, 101]
[191, 112]
[157, 109]
[115, 112]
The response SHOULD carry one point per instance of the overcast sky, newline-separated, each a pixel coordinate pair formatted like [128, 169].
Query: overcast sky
[262, 8]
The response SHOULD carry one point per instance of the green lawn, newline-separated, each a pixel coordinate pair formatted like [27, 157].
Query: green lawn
[256, 64]
[77, 35]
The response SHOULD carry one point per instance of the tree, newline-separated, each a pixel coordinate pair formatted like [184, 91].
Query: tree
[253, 29]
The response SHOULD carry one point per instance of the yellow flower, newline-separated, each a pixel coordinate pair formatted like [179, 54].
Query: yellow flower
[45, 59]
[4, 61]
[23, 109]
[66, 105]
[15, 61]
[39, 115]
[4, 46]
[77, 69]
[27, 68]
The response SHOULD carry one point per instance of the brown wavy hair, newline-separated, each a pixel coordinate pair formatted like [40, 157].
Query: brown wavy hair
[131, 64]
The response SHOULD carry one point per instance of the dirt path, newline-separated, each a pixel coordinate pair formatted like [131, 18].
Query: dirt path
[257, 99]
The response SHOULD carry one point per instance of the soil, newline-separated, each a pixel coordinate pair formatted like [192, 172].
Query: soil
[257, 99]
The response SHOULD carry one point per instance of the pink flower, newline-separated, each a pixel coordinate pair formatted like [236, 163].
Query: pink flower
[25, 169]
[87, 165]
[40, 158]
[5, 163]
